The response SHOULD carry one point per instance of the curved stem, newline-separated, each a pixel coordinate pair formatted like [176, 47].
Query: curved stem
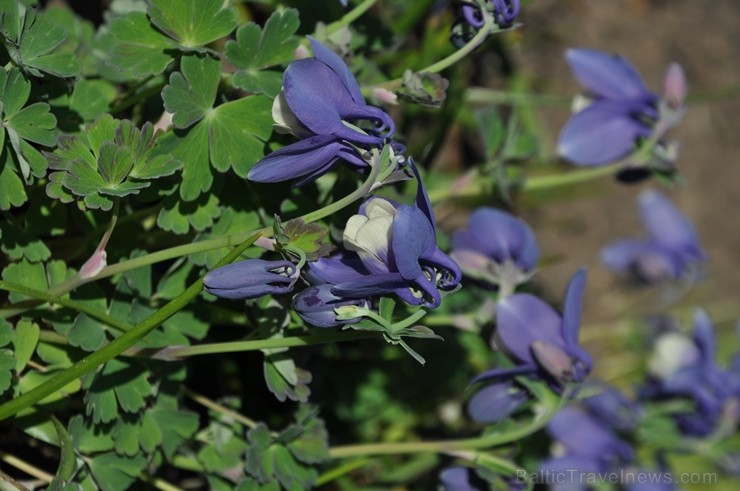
[115, 347]
[350, 16]
[477, 40]
[451, 446]
[186, 249]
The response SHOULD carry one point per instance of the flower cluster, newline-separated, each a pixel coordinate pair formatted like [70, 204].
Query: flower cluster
[388, 248]
[618, 112]
[684, 367]
[321, 103]
[671, 250]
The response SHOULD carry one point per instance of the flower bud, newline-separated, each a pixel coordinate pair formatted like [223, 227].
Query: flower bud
[319, 307]
[251, 278]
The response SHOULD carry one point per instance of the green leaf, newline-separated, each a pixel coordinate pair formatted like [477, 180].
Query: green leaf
[310, 238]
[291, 474]
[33, 275]
[238, 130]
[192, 91]
[18, 243]
[192, 149]
[38, 41]
[125, 435]
[137, 47]
[12, 192]
[15, 91]
[312, 446]
[6, 333]
[91, 98]
[285, 380]
[259, 462]
[179, 216]
[89, 438]
[150, 436]
[7, 363]
[30, 380]
[256, 49]
[116, 473]
[35, 123]
[193, 22]
[121, 383]
[25, 339]
[230, 222]
[86, 333]
[176, 427]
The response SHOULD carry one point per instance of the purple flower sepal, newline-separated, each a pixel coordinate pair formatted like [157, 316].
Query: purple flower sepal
[461, 479]
[317, 306]
[322, 104]
[612, 408]
[397, 249]
[539, 340]
[620, 110]
[670, 251]
[504, 12]
[496, 248]
[251, 278]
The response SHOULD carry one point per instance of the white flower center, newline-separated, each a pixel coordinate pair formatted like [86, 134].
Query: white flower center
[370, 234]
[672, 352]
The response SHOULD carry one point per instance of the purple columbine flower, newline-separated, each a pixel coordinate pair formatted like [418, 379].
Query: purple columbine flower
[620, 110]
[612, 408]
[496, 248]
[317, 306]
[685, 367]
[322, 104]
[538, 339]
[391, 248]
[670, 251]
[251, 278]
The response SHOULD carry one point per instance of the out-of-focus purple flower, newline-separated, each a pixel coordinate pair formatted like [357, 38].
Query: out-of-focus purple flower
[344, 2]
[539, 340]
[461, 479]
[496, 247]
[497, 401]
[395, 251]
[504, 12]
[612, 408]
[251, 278]
[671, 250]
[322, 104]
[586, 438]
[683, 367]
[620, 110]
[317, 306]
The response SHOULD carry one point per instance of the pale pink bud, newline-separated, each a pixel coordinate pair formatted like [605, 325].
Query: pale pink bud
[385, 95]
[675, 85]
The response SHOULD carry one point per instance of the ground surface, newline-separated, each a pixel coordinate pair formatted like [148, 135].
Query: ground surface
[704, 38]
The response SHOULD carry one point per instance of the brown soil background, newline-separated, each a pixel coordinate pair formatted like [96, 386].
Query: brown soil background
[704, 37]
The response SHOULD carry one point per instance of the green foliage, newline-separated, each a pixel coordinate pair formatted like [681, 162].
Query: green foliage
[258, 48]
[286, 458]
[230, 135]
[31, 40]
[21, 126]
[112, 159]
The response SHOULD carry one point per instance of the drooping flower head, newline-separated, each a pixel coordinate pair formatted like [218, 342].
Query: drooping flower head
[322, 104]
[671, 250]
[539, 340]
[390, 248]
[317, 306]
[620, 110]
[251, 278]
[496, 247]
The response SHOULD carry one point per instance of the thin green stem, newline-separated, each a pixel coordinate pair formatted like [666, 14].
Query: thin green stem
[115, 347]
[26, 467]
[538, 183]
[485, 31]
[78, 306]
[341, 470]
[175, 352]
[350, 16]
[214, 406]
[187, 249]
[451, 446]
[482, 95]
